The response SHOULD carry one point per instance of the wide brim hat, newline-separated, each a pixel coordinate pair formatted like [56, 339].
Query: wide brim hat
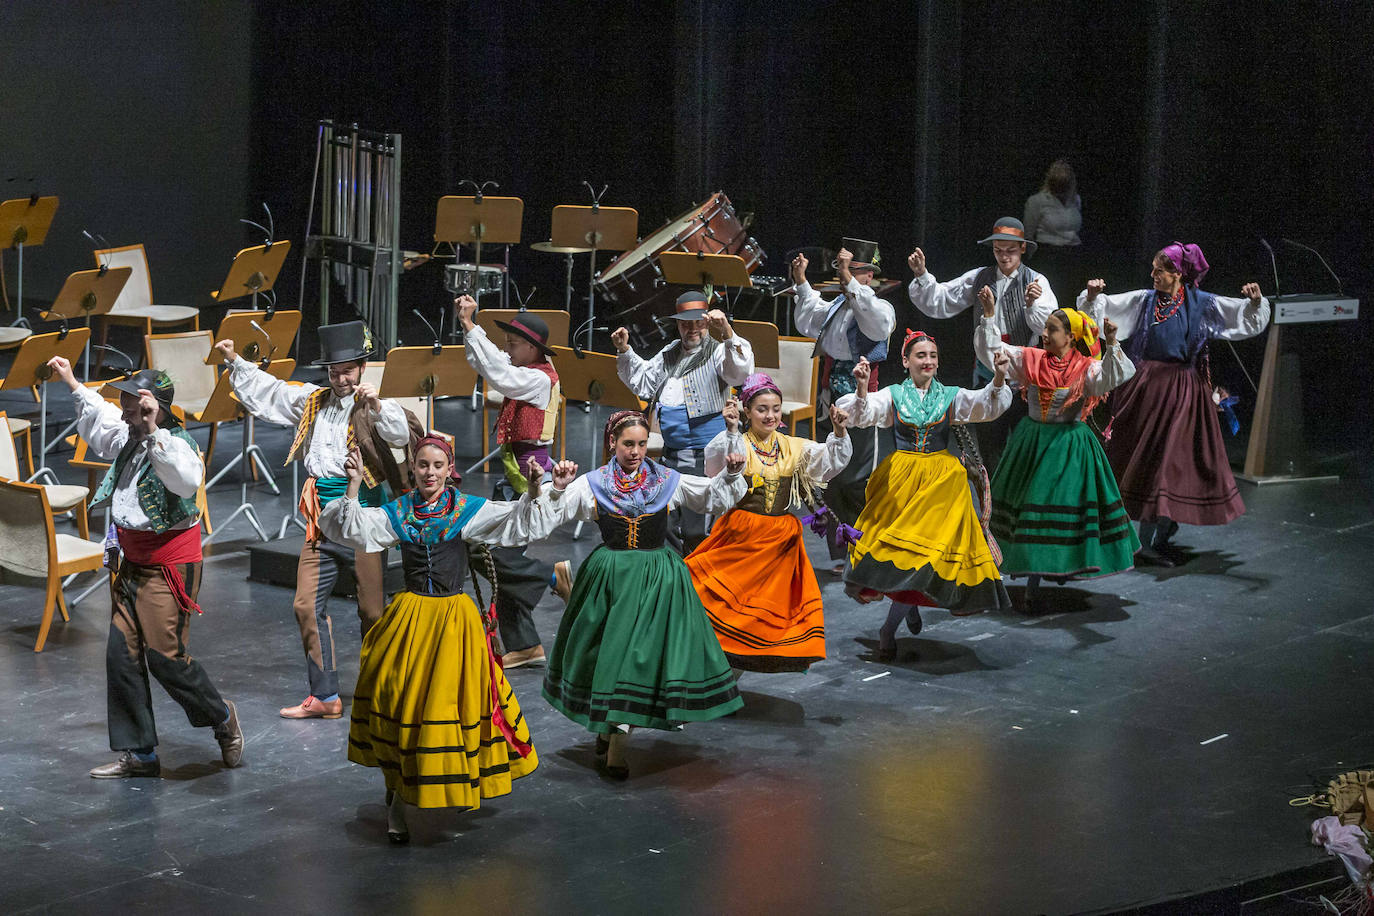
[348, 342]
[531, 328]
[691, 306]
[154, 380]
[1009, 229]
[866, 256]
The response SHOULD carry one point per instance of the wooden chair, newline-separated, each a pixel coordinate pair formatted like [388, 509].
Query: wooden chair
[135, 303]
[31, 546]
[797, 377]
[62, 498]
[182, 356]
[21, 431]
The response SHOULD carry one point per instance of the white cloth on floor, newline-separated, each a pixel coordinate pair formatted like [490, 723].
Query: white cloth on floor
[1346, 841]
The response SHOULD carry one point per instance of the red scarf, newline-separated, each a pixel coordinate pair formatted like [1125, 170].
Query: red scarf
[498, 716]
[1048, 373]
[166, 551]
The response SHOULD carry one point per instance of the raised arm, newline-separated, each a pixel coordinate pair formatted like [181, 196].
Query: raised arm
[346, 521]
[1040, 308]
[643, 376]
[823, 460]
[519, 383]
[1239, 318]
[942, 300]
[266, 397]
[987, 343]
[575, 502]
[99, 422]
[734, 358]
[712, 495]
[176, 462]
[875, 317]
[810, 310]
[1114, 370]
[979, 405]
[1122, 309]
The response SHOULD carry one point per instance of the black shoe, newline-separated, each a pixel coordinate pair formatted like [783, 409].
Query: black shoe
[618, 773]
[603, 744]
[230, 738]
[887, 647]
[398, 837]
[127, 766]
[1148, 556]
[397, 830]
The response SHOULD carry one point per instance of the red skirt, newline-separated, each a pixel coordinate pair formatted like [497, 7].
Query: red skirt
[760, 592]
[1166, 448]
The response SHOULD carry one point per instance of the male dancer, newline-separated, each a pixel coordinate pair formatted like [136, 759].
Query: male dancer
[854, 325]
[688, 383]
[525, 377]
[1024, 301]
[151, 488]
[329, 423]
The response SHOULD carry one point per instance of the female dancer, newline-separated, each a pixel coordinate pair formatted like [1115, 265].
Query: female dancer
[767, 615]
[1165, 443]
[1056, 508]
[921, 541]
[634, 647]
[432, 708]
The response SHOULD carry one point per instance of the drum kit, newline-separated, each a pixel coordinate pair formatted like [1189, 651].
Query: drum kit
[634, 281]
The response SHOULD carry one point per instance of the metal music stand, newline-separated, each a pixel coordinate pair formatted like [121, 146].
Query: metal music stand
[568, 253]
[24, 222]
[600, 229]
[30, 370]
[254, 271]
[593, 379]
[689, 268]
[478, 220]
[427, 372]
[222, 407]
[763, 337]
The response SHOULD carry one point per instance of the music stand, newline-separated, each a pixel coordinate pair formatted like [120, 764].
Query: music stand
[697, 268]
[254, 271]
[85, 294]
[478, 220]
[222, 407]
[593, 378]
[600, 229]
[30, 370]
[277, 334]
[559, 322]
[427, 372]
[25, 221]
[763, 337]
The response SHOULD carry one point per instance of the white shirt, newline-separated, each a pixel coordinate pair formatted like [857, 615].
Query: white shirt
[1240, 318]
[733, 361]
[707, 495]
[176, 463]
[820, 461]
[945, 300]
[877, 319]
[977, 405]
[499, 524]
[518, 383]
[274, 401]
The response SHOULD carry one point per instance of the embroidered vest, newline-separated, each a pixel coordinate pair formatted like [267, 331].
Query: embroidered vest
[928, 439]
[860, 345]
[163, 507]
[521, 421]
[307, 425]
[704, 392]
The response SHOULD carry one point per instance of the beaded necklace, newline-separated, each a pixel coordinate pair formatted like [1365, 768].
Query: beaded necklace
[1167, 308]
[768, 456]
[628, 483]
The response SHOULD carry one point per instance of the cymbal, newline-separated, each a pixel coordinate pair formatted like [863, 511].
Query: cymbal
[551, 248]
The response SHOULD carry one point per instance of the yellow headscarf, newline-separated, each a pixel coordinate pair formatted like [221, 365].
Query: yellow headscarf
[1083, 328]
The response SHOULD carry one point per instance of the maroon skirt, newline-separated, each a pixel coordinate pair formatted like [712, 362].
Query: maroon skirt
[1166, 448]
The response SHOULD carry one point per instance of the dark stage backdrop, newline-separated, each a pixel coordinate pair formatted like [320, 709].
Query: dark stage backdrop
[909, 123]
[136, 116]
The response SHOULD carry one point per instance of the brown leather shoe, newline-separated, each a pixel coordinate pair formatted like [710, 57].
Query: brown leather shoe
[562, 580]
[127, 766]
[534, 655]
[312, 707]
[230, 738]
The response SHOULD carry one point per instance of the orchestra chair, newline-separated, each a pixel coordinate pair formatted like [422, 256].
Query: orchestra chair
[182, 356]
[798, 377]
[64, 499]
[135, 303]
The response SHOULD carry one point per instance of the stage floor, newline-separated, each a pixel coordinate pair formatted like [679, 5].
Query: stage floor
[1139, 743]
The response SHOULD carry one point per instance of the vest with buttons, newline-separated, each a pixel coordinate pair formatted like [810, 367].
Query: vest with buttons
[164, 508]
[521, 421]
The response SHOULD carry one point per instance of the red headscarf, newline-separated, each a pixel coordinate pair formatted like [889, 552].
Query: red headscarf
[442, 445]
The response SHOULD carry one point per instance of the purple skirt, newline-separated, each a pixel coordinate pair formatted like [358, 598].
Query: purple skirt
[1166, 448]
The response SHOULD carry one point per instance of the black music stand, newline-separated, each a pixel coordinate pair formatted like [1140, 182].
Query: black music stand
[24, 222]
[600, 229]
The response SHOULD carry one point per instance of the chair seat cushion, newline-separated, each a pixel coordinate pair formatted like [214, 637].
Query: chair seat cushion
[17, 425]
[72, 549]
[10, 337]
[790, 406]
[164, 313]
[63, 496]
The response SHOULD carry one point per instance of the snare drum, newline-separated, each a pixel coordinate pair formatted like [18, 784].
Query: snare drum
[473, 280]
[634, 279]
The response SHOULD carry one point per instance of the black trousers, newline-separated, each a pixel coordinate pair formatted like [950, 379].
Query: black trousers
[148, 634]
[686, 528]
[521, 583]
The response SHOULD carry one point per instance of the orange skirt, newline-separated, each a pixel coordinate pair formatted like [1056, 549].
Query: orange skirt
[760, 592]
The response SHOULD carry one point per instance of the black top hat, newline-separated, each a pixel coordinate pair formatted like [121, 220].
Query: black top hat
[691, 306]
[531, 327]
[866, 256]
[154, 380]
[344, 343]
[1009, 229]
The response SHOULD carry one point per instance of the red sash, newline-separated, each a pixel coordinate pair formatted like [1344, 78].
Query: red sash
[166, 551]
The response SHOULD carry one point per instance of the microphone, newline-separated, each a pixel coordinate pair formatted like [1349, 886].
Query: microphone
[1319, 258]
[127, 371]
[438, 338]
[268, 358]
[104, 264]
[1273, 263]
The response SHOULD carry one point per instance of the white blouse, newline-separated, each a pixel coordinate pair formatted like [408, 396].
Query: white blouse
[819, 462]
[500, 524]
[707, 495]
[1240, 318]
[977, 405]
[1113, 370]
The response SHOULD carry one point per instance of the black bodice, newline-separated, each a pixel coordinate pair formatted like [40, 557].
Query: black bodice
[758, 500]
[643, 532]
[437, 570]
[926, 439]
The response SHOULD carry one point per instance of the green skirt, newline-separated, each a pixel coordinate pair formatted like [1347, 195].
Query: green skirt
[1056, 508]
[635, 647]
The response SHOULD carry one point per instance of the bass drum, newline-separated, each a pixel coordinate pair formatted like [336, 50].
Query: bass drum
[634, 281]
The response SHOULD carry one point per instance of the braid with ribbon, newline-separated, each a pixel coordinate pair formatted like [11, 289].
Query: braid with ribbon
[482, 554]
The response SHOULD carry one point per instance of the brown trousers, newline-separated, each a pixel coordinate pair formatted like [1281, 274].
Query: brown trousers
[316, 573]
[148, 633]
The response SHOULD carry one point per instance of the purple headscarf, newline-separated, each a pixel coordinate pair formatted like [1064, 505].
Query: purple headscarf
[1187, 260]
[757, 383]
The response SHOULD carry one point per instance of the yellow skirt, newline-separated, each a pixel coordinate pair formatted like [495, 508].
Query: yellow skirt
[921, 541]
[422, 710]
